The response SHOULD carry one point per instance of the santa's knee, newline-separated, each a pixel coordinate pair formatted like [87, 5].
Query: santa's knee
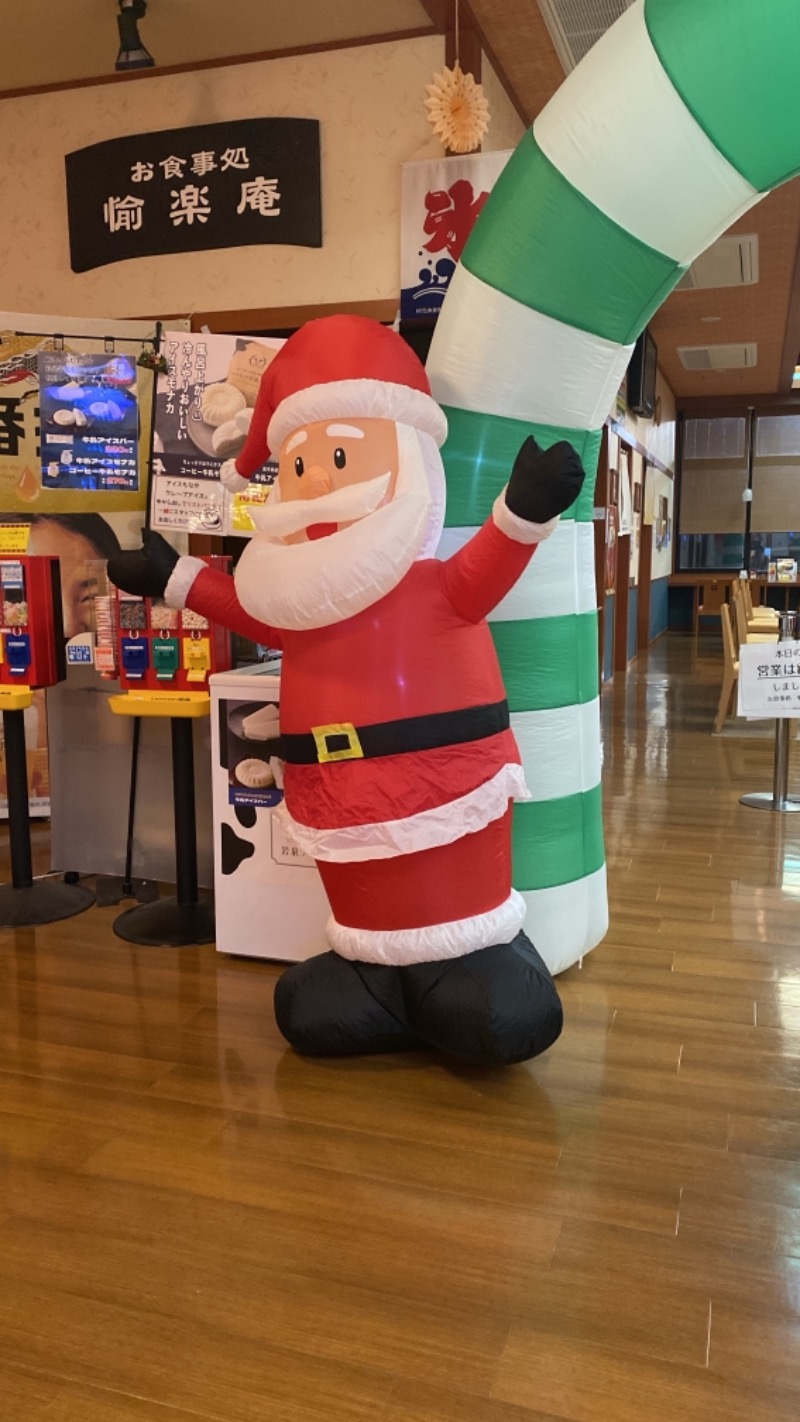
[494, 1007]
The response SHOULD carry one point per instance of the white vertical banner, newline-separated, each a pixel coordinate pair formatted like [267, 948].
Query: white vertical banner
[441, 201]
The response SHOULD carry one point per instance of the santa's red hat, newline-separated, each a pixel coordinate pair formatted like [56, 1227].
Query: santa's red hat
[330, 369]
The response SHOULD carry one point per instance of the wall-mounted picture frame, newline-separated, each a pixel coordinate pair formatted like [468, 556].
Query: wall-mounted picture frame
[611, 551]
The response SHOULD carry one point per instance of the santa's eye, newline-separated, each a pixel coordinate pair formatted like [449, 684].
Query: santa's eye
[299, 466]
[339, 458]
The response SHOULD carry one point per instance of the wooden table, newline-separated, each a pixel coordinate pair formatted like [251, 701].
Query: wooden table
[711, 589]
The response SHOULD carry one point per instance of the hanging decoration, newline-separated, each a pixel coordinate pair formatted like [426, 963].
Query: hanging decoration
[458, 110]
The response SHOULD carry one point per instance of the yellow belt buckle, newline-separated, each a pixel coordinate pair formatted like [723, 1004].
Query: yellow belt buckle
[353, 749]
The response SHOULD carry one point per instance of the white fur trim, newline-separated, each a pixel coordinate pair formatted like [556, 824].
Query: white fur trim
[442, 825]
[231, 479]
[359, 399]
[522, 530]
[183, 575]
[400, 947]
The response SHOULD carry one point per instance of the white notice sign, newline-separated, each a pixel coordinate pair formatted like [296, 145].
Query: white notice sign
[769, 680]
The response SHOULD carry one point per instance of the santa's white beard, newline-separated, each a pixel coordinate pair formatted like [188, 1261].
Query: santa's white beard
[314, 584]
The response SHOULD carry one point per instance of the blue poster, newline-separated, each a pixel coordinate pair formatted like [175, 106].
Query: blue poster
[89, 421]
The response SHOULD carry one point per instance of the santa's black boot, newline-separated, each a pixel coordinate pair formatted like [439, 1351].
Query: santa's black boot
[331, 1007]
[490, 1008]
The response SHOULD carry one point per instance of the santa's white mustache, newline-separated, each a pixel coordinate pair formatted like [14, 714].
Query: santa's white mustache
[345, 505]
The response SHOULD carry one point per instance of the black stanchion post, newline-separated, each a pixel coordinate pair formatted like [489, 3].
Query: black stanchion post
[25, 902]
[780, 800]
[19, 824]
[185, 814]
[187, 917]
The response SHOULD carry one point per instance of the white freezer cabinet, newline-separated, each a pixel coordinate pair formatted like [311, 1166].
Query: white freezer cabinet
[269, 897]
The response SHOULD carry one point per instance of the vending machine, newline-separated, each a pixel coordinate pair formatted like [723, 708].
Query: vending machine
[269, 898]
[31, 626]
[153, 647]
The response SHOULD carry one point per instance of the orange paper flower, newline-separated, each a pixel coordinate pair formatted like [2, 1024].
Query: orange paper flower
[458, 111]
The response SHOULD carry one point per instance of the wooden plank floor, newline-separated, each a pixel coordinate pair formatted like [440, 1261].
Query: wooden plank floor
[196, 1224]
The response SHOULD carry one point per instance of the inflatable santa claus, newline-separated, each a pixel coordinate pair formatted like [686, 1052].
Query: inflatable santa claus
[400, 767]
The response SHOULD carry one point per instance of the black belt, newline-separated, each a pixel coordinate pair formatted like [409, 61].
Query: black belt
[343, 741]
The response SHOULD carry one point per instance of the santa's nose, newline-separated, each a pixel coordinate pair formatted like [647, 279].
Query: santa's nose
[315, 481]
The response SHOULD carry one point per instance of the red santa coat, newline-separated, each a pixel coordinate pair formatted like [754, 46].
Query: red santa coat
[413, 848]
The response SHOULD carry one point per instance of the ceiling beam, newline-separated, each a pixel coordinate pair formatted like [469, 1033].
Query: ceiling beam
[227, 61]
[438, 12]
[778, 403]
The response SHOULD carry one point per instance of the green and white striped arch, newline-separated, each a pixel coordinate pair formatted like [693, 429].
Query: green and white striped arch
[677, 121]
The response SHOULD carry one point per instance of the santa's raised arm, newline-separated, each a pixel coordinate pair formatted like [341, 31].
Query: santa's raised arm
[400, 765]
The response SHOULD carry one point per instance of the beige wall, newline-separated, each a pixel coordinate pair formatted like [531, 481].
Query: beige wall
[657, 439]
[369, 101]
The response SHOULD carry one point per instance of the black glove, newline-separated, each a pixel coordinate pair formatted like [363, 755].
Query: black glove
[545, 482]
[144, 571]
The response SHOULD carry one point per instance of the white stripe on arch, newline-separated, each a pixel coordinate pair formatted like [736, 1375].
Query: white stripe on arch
[558, 580]
[569, 920]
[620, 133]
[494, 354]
[560, 749]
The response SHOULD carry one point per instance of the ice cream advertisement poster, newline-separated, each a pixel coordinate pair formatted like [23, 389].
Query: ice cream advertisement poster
[204, 404]
[252, 746]
[57, 453]
[89, 422]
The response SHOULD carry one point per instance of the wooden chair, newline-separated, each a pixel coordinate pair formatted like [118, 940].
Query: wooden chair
[730, 673]
[709, 597]
[745, 633]
[756, 615]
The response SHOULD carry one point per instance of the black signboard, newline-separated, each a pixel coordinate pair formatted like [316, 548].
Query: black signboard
[235, 184]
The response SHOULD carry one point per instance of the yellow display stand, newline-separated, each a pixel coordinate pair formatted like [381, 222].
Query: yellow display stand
[15, 698]
[186, 917]
[187, 704]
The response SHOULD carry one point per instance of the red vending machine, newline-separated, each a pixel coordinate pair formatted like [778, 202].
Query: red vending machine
[32, 652]
[158, 649]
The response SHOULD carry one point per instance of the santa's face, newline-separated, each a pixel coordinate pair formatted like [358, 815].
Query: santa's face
[349, 515]
[323, 458]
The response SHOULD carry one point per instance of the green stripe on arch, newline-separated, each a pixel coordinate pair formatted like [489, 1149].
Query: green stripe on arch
[558, 841]
[479, 455]
[548, 662]
[543, 243]
[735, 64]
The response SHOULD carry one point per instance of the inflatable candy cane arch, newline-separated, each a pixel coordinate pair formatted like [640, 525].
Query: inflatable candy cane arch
[678, 120]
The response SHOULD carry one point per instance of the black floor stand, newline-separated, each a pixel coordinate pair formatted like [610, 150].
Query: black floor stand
[111, 889]
[25, 901]
[188, 916]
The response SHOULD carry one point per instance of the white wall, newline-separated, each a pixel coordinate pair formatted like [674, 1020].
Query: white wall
[657, 439]
[370, 103]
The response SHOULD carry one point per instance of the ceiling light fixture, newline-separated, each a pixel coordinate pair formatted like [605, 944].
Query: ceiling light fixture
[132, 53]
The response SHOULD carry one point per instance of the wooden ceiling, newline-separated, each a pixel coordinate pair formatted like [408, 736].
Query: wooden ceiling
[50, 43]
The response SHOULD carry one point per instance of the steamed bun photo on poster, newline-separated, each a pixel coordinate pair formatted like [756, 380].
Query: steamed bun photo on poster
[204, 405]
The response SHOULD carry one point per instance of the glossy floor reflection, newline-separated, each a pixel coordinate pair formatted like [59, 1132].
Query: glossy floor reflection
[196, 1224]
